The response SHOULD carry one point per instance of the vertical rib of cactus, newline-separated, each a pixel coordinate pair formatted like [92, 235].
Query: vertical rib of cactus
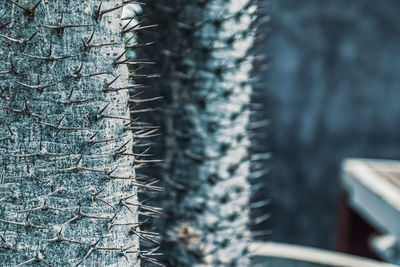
[67, 182]
[206, 81]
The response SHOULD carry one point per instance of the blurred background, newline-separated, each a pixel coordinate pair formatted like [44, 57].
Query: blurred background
[332, 91]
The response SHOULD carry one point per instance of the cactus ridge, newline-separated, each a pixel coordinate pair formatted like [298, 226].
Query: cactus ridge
[204, 50]
[68, 185]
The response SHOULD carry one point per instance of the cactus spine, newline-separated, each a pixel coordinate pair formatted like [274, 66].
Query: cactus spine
[68, 190]
[205, 67]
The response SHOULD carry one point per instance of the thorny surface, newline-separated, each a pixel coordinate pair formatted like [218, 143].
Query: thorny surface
[68, 189]
[205, 68]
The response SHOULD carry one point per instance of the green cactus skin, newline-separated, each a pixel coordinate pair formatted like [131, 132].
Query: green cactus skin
[205, 65]
[68, 190]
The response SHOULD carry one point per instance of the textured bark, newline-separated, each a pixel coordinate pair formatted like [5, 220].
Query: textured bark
[205, 67]
[68, 192]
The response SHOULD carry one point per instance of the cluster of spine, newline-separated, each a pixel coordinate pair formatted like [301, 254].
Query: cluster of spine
[258, 128]
[142, 104]
[204, 56]
[68, 187]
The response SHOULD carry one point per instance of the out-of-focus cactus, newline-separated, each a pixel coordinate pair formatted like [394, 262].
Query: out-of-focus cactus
[203, 54]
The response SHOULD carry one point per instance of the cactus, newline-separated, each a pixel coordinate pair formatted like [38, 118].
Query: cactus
[68, 190]
[259, 128]
[204, 62]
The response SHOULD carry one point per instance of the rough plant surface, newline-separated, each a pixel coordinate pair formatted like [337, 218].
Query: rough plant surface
[68, 193]
[205, 71]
